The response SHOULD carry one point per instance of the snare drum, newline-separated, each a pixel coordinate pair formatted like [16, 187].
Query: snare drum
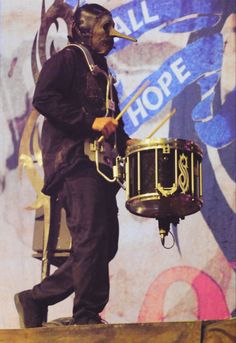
[163, 178]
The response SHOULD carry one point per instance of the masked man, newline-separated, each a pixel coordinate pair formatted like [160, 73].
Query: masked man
[76, 96]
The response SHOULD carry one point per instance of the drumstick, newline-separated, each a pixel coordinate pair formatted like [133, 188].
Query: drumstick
[162, 123]
[139, 91]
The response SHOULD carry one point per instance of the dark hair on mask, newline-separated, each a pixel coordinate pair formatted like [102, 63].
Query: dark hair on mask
[91, 8]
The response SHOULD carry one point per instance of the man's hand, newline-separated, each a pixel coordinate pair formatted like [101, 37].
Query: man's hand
[105, 125]
[132, 141]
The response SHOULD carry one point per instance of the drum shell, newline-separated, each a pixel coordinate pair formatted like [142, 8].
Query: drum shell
[164, 178]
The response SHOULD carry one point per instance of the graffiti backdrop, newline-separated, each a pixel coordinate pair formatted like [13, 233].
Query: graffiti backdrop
[186, 50]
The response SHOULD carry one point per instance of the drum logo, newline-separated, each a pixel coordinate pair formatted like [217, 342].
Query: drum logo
[184, 175]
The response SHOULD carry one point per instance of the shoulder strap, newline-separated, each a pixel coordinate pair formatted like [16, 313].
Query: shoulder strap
[95, 70]
[88, 57]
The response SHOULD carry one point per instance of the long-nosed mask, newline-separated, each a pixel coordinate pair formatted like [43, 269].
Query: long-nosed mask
[94, 27]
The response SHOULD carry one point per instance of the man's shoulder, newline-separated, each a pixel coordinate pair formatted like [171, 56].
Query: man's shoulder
[68, 53]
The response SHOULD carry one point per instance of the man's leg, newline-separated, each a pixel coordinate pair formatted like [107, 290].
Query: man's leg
[92, 220]
[32, 304]
[57, 286]
[85, 200]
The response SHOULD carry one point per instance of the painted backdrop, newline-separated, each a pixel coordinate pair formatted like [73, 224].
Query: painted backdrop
[186, 49]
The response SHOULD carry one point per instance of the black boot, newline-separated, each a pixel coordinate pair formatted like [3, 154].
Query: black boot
[92, 319]
[31, 313]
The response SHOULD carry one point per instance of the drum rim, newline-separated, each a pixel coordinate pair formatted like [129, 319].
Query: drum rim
[131, 203]
[151, 143]
[157, 196]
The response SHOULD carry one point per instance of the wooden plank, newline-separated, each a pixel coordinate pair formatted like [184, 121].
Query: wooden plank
[174, 332]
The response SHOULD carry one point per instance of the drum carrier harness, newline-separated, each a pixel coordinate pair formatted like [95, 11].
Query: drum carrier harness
[101, 152]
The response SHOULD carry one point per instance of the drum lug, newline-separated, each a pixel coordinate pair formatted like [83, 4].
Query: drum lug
[166, 149]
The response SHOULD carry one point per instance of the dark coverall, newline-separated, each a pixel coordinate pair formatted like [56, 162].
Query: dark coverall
[70, 98]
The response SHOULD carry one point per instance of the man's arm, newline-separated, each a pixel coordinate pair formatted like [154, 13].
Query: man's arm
[52, 98]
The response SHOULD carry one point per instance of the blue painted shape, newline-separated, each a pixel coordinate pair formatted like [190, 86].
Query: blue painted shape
[198, 58]
[139, 16]
[203, 110]
[221, 129]
[72, 3]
